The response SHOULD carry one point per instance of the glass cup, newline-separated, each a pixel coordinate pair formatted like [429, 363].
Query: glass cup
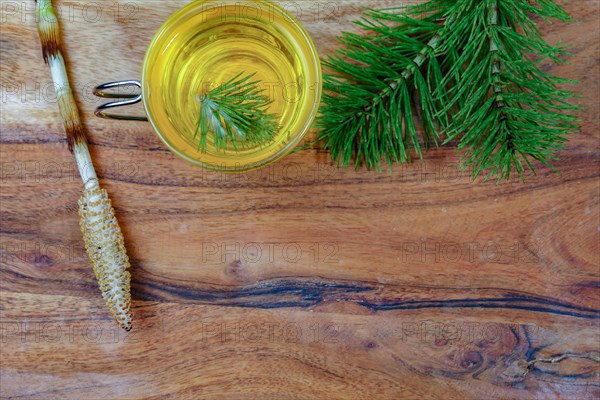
[203, 45]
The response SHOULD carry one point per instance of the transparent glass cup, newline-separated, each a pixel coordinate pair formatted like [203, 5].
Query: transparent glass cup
[206, 43]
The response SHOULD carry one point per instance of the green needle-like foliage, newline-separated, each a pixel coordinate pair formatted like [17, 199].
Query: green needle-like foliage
[466, 69]
[506, 110]
[369, 108]
[237, 112]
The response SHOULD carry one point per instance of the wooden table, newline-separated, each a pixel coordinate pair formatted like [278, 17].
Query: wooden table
[301, 280]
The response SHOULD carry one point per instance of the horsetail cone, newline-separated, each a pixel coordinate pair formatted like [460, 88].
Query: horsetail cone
[105, 248]
[101, 233]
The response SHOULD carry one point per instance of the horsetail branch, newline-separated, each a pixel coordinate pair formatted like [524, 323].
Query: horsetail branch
[48, 30]
[506, 110]
[408, 72]
[102, 236]
[474, 78]
[235, 112]
[496, 63]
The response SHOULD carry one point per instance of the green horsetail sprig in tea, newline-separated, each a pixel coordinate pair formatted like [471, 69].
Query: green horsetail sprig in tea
[235, 112]
[102, 236]
[465, 69]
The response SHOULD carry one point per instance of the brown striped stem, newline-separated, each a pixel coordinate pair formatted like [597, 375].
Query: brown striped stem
[101, 232]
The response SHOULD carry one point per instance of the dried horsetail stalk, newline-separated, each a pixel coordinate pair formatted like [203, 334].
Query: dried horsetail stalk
[103, 239]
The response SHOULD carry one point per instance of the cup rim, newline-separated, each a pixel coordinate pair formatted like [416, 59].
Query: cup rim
[312, 57]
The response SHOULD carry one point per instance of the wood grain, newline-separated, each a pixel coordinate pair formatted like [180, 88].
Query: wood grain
[302, 280]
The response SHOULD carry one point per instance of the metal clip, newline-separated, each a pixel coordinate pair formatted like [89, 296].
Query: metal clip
[100, 91]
